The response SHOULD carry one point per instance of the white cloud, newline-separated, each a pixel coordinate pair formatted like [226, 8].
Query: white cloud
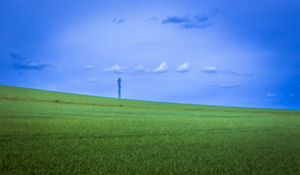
[272, 94]
[231, 85]
[210, 69]
[183, 68]
[114, 69]
[89, 67]
[163, 67]
[140, 68]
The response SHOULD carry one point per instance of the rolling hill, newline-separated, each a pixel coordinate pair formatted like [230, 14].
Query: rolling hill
[43, 132]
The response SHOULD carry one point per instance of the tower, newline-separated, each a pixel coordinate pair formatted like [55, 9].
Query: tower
[119, 87]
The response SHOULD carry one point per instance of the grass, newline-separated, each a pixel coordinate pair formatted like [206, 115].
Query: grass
[44, 132]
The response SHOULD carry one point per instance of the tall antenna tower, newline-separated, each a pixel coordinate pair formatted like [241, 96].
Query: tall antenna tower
[119, 87]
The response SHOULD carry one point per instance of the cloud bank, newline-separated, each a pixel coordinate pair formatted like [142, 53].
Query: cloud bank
[140, 68]
[270, 94]
[185, 67]
[188, 22]
[231, 85]
[89, 67]
[163, 67]
[210, 69]
[118, 21]
[115, 69]
[22, 63]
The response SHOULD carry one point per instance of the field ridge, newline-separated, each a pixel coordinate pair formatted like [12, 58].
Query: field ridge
[44, 132]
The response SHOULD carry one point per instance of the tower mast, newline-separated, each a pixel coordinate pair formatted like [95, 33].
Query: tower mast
[119, 87]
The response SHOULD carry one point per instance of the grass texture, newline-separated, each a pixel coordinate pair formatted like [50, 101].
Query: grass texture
[44, 132]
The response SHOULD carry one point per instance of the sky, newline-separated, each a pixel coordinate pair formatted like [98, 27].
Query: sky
[228, 53]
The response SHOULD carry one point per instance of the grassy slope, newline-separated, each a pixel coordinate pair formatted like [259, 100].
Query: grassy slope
[45, 132]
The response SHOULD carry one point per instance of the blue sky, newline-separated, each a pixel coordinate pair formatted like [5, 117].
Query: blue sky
[231, 53]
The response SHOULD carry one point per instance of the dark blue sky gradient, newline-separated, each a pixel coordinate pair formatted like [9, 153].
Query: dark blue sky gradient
[231, 53]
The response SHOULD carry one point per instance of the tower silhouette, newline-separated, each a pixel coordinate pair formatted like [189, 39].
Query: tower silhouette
[119, 87]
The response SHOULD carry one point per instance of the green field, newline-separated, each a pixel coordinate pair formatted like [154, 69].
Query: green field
[44, 132]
